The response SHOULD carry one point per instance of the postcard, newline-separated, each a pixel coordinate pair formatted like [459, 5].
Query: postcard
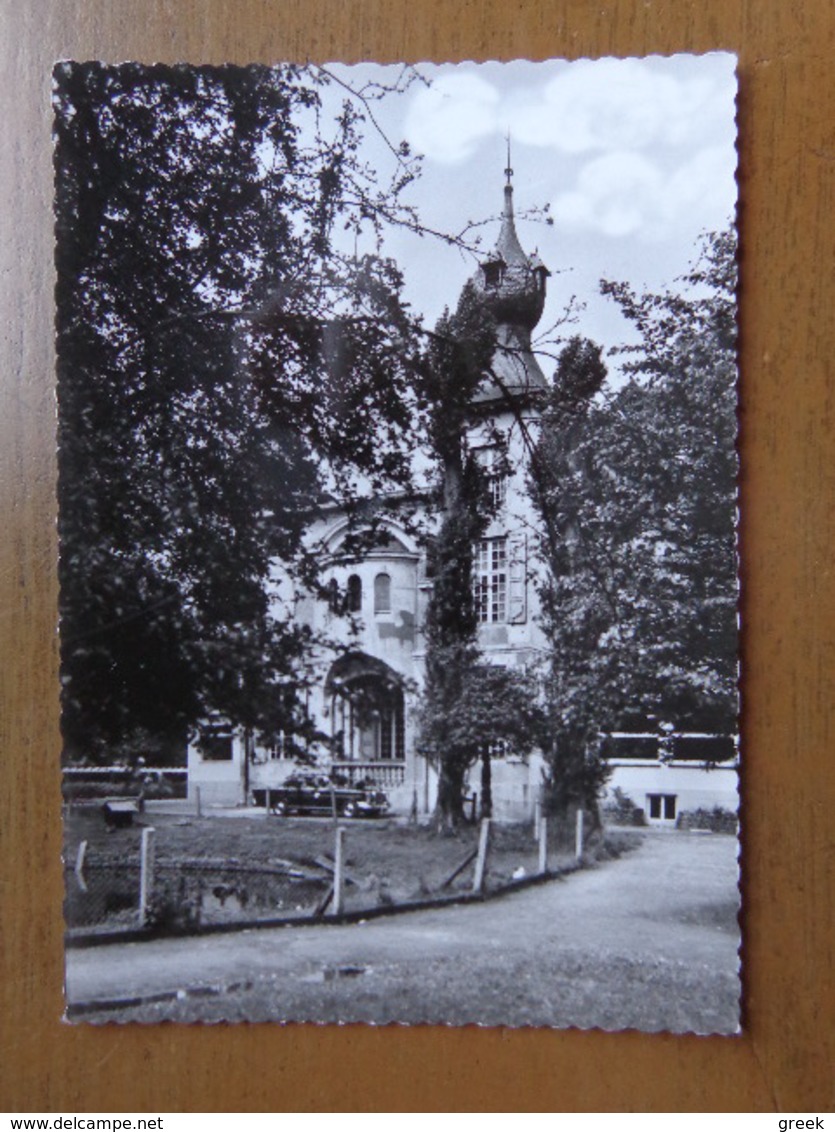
[398, 549]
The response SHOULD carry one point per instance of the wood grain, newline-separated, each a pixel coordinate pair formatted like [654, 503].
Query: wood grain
[787, 162]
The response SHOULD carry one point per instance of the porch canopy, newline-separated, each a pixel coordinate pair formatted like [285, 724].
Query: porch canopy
[367, 709]
[356, 667]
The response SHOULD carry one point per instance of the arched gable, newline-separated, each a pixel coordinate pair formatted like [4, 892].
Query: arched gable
[392, 539]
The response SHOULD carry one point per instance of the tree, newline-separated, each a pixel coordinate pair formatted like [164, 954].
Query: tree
[636, 492]
[459, 351]
[500, 709]
[467, 706]
[221, 363]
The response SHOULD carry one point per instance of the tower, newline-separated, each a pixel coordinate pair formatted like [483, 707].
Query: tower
[513, 288]
[361, 698]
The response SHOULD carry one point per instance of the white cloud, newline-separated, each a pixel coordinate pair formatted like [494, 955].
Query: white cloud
[624, 193]
[705, 183]
[616, 194]
[447, 120]
[580, 107]
[639, 147]
[596, 105]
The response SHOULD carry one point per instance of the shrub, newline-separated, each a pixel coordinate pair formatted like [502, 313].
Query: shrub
[717, 820]
[119, 786]
[174, 909]
[621, 810]
[614, 844]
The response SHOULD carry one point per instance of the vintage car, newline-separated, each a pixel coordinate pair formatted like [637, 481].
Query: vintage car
[318, 794]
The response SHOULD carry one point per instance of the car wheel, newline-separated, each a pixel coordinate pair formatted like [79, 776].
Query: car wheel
[280, 809]
[350, 810]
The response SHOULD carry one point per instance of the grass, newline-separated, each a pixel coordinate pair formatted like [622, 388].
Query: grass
[654, 968]
[387, 862]
[570, 989]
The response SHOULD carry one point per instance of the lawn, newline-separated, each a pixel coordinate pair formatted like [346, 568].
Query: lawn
[648, 942]
[387, 862]
[566, 988]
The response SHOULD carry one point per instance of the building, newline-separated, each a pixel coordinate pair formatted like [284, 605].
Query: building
[668, 773]
[363, 696]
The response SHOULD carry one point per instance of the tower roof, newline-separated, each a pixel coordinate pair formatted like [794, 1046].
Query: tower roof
[507, 245]
[513, 288]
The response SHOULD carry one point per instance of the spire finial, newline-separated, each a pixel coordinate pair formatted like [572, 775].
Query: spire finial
[509, 171]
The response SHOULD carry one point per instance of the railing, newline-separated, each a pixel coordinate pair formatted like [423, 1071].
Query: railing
[387, 773]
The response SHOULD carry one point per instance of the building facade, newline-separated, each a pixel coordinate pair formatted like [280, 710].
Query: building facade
[363, 691]
[363, 694]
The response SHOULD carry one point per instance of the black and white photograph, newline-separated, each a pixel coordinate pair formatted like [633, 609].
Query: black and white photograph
[397, 450]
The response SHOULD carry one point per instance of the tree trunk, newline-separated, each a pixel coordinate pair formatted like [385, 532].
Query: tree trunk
[593, 809]
[248, 751]
[450, 806]
[453, 475]
[486, 782]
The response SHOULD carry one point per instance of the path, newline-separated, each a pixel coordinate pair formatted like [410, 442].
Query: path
[649, 940]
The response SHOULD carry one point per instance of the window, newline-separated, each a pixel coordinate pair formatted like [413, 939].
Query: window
[493, 272]
[492, 460]
[662, 807]
[354, 598]
[490, 580]
[333, 596]
[382, 594]
[497, 486]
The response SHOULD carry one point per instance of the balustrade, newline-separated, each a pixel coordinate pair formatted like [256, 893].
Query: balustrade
[384, 773]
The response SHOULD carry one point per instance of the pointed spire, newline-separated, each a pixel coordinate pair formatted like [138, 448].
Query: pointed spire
[508, 188]
[513, 290]
[508, 245]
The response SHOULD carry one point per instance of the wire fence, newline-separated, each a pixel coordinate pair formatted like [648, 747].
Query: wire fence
[134, 876]
[184, 896]
[126, 884]
[101, 893]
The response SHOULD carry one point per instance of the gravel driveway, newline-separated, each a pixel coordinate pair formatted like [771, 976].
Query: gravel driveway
[649, 941]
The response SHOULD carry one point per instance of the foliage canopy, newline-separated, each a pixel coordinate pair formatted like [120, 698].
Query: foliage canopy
[222, 363]
[636, 493]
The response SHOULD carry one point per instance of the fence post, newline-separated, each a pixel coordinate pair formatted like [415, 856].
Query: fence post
[339, 871]
[543, 845]
[198, 802]
[481, 859]
[537, 818]
[79, 866]
[146, 873]
[578, 835]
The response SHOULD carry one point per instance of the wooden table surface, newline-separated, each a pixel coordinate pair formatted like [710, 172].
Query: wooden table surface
[787, 171]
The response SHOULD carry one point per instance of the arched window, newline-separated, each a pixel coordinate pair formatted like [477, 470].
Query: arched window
[382, 594]
[354, 598]
[333, 595]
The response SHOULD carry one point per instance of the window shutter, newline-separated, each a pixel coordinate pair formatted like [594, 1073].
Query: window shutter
[517, 604]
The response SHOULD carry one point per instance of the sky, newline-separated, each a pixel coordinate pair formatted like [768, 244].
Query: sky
[633, 157]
